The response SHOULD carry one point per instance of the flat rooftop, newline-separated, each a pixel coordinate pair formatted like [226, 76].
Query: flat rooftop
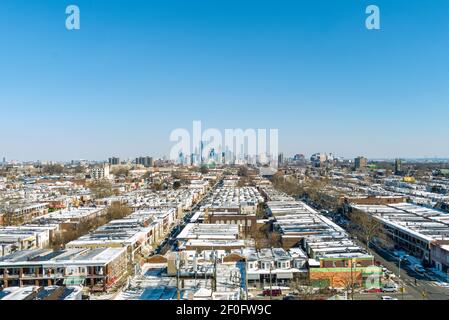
[424, 223]
[209, 231]
[65, 257]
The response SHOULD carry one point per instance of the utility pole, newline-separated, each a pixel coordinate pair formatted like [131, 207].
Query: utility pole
[195, 268]
[352, 284]
[352, 277]
[246, 277]
[177, 276]
[214, 289]
[399, 275]
[271, 284]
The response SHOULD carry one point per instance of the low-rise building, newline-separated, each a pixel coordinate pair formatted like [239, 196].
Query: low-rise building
[96, 268]
[420, 231]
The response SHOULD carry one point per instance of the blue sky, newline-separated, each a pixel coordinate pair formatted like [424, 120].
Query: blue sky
[139, 69]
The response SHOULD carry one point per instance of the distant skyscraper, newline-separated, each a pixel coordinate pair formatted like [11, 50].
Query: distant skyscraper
[398, 167]
[114, 161]
[145, 161]
[4, 160]
[360, 162]
[318, 159]
[280, 158]
[299, 157]
[212, 153]
[201, 152]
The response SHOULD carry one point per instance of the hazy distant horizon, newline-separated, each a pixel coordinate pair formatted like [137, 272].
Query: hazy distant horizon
[307, 157]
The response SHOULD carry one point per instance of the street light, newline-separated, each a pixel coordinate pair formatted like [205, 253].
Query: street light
[399, 265]
[399, 271]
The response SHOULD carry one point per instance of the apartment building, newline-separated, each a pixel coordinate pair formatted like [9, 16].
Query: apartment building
[210, 237]
[139, 231]
[230, 205]
[420, 231]
[25, 237]
[69, 219]
[332, 255]
[100, 172]
[14, 214]
[42, 293]
[98, 269]
[280, 265]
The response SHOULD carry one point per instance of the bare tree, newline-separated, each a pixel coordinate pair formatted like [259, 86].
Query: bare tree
[243, 171]
[118, 211]
[157, 186]
[120, 171]
[289, 186]
[274, 239]
[101, 188]
[243, 181]
[52, 169]
[366, 228]
[204, 169]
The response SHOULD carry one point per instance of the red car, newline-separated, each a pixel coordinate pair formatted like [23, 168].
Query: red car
[274, 293]
[373, 290]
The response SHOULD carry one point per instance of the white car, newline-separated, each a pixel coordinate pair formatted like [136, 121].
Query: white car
[388, 298]
[390, 287]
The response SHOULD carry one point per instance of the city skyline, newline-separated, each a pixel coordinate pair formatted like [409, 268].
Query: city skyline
[129, 76]
[290, 157]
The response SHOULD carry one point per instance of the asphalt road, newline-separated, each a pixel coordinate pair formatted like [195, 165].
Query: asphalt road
[417, 286]
[171, 238]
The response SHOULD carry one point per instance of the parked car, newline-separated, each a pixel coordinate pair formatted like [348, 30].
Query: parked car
[390, 288]
[388, 298]
[373, 290]
[389, 274]
[274, 292]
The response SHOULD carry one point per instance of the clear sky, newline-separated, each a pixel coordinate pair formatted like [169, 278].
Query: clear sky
[139, 69]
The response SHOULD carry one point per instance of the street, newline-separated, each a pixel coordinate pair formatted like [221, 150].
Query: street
[170, 240]
[416, 286]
